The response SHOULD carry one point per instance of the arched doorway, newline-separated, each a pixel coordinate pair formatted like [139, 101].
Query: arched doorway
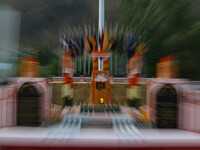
[28, 106]
[166, 107]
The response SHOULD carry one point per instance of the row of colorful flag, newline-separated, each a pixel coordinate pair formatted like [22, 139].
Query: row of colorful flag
[74, 45]
[112, 40]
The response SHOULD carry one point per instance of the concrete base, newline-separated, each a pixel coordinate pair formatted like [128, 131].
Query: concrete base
[38, 137]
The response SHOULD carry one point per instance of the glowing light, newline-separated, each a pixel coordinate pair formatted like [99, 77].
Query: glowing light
[101, 100]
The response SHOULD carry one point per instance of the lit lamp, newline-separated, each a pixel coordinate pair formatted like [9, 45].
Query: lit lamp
[101, 100]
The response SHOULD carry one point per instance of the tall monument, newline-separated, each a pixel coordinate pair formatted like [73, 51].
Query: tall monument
[100, 86]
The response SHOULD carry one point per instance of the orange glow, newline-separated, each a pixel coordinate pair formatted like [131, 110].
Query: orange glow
[101, 100]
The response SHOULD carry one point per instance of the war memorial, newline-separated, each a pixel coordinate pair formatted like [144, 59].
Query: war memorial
[100, 111]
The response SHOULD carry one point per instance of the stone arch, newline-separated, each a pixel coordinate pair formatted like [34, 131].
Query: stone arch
[167, 107]
[29, 110]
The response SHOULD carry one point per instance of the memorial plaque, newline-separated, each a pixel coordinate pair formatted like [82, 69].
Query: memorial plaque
[100, 88]
[100, 85]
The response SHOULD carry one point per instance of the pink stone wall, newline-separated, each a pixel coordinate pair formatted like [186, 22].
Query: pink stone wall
[188, 102]
[8, 99]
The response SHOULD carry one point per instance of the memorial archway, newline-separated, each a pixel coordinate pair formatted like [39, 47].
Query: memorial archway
[28, 112]
[166, 107]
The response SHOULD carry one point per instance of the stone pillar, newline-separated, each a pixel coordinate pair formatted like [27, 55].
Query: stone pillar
[67, 88]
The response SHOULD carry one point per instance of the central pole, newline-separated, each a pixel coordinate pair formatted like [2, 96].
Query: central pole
[99, 86]
[101, 29]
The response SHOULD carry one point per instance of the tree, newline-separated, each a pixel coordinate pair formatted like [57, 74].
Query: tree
[49, 61]
[169, 27]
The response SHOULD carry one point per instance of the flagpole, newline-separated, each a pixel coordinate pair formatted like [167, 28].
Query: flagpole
[119, 63]
[63, 54]
[88, 64]
[79, 58]
[84, 55]
[80, 64]
[90, 33]
[115, 63]
[76, 65]
[110, 48]
[101, 27]
[111, 64]
[60, 35]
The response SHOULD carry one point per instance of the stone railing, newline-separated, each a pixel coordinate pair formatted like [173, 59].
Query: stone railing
[88, 79]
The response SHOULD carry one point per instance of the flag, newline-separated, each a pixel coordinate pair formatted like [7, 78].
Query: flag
[101, 39]
[73, 47]
[71, 53]
[142, 48]
[90, 42]
[131, 48]
[105, 40]
[111, 39]
[94, 39]
[88, 48]
[64, 43]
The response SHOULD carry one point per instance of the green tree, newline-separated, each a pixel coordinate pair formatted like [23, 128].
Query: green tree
[169, 27]
[49, 61]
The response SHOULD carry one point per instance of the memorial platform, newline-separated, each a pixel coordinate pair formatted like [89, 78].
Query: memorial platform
[92, 138]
